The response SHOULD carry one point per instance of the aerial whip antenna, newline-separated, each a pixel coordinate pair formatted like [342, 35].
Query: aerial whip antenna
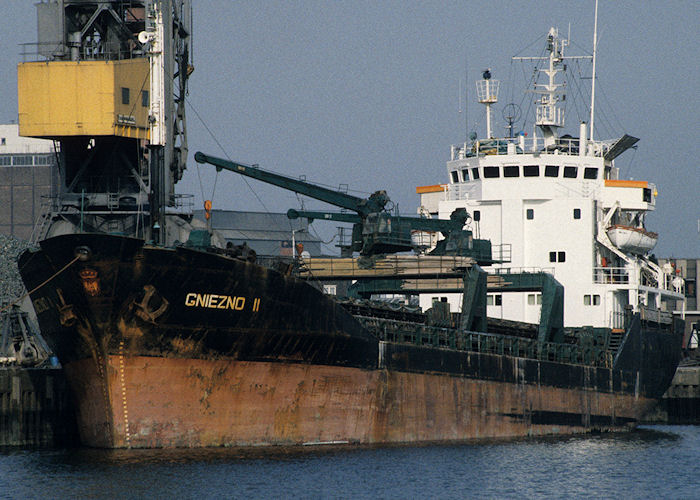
[595, 49]
[466, 102]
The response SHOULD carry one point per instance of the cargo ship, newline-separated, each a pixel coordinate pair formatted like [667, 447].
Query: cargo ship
[171, 338]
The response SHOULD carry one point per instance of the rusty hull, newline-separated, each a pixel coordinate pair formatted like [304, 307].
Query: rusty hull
[161, 402]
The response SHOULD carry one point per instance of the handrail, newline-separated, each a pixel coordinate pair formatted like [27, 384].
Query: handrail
[527, 145]
[419, 334]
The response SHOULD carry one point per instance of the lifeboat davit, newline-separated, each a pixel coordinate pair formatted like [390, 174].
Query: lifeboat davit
[632, 239]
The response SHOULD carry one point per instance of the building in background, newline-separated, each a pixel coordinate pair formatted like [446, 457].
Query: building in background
[27, 173]
[269, 234]
[688, 270]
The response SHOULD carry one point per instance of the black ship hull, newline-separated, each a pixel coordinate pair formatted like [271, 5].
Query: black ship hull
[181, 347]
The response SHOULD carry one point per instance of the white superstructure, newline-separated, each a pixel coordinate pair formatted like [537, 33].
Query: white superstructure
[558, 201]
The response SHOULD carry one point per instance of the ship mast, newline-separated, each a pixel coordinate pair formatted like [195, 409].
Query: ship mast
[595, 50]
[549, 116]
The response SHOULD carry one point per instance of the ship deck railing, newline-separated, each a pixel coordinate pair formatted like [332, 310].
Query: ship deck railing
[621, 276]
[111, 203]
[489, 343]
[526, 145]
[611, 275]
[502, 252]
[50, 51]
[520, 270]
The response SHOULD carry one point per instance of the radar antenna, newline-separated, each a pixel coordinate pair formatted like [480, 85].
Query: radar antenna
[511, 114]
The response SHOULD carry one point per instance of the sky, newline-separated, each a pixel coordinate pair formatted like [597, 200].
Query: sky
[370, 93]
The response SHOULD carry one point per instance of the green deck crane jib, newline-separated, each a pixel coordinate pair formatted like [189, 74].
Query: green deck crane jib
[412, 223]
[362, 206]
[334, 216]
[375, 230]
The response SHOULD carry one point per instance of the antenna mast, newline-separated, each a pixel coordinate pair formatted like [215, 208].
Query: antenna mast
[595, 49]
[466, 102]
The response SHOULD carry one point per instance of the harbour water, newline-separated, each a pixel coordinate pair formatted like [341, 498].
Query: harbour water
[651, 462]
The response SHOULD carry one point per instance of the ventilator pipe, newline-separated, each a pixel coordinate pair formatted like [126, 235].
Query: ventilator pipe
[583, 141]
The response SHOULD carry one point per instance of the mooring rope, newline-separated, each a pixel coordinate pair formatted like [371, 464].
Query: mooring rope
[17, 301]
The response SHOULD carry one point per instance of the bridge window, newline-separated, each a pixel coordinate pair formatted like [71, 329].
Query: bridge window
[570, 172]
[465, 174]
[530, 213]
[475, 173]
[125, 95]
[590, 173]
[577, 213]
[551, 171]
[531, 171]
[455, 176]
[144, 98]
[646, 195]
[511, 171]
[491, 172]
[477, 215]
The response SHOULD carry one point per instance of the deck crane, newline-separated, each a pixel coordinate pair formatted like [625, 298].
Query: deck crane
[375, 230]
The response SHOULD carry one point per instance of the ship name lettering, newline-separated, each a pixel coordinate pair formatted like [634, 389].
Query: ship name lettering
[214, 301]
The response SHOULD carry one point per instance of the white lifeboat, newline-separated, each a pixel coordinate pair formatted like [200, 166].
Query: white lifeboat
[632, 239]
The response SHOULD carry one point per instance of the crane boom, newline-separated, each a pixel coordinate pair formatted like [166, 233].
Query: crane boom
[362, 206]
[411, 223]
[375, 231]
[312, 215]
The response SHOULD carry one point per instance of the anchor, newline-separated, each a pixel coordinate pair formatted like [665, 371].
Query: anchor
[144, 310]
